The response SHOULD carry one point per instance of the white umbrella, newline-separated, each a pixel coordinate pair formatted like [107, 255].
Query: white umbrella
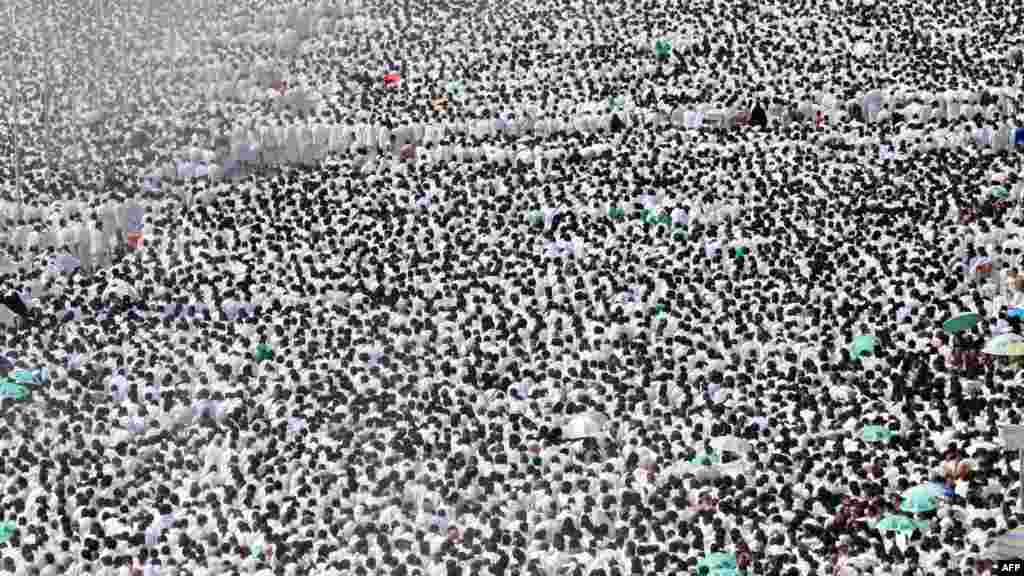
[584, 426]
[7, 318]
[981, 446]
[705, 473]
[120, 288]
[93, 117]
[185, 170]
[168, 172]
[288, 42]
[1009, 546]
[730, 444]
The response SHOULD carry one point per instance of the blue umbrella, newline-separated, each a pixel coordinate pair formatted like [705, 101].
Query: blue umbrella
[935, 489]
[134, 219]
[232, 168]
[248, 153]
[68, 263]
[151, 184]
[941, 490]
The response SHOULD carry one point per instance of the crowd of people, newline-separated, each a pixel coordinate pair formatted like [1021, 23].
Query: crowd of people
[510, 288]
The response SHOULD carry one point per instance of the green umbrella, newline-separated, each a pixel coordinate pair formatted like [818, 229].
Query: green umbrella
[260, 551]
[659, 311]
[877, 433]
[706, 458]
[999, 192]
[536, 218]
[862, 345]
[1005, 345]
[24, 376]
[662, 48]
[961, 323]
[7, 529]
[616, 103]
[740, 251]
[9, 389]
[648, 216]
[264, 352]
[899, 523]
[919, 499]
[617, 212]
[456, 88]
[680, 234]
[718, 564]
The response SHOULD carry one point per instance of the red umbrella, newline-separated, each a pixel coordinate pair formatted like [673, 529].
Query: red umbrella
[280, 85]
[391, 79]
[135, 240]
